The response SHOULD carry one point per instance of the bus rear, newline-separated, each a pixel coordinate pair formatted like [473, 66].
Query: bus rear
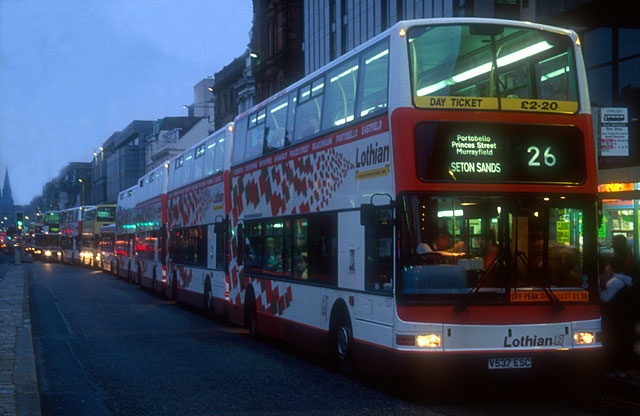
[496, 212]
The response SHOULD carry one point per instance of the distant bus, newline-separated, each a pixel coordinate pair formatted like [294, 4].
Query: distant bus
[151, 229]
[46, 236]
[125, 232]
[106, 247]
[94, 218]
[70, 235]
[197, 212]
[429, 196]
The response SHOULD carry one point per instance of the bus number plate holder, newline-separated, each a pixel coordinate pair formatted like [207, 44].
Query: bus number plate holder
[508, 363]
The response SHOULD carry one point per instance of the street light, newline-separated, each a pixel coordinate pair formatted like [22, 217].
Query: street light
[82, 202]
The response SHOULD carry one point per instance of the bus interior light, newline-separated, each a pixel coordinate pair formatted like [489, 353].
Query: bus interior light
[450, 213]
[428, 341]
[486, 67]
[583, 338]
[376, 57]
[280, 107]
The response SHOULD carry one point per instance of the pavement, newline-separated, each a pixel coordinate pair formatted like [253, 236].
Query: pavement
[18, 381]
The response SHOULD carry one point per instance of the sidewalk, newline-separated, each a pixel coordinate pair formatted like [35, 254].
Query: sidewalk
[18, 382]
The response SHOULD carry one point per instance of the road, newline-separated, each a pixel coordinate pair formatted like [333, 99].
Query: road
[106, 347]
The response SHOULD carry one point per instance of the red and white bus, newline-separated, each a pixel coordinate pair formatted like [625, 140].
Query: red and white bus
[151, 229]
[106, 247]
[70, 235]
[197, 213]
[125, 232]
[430, 195]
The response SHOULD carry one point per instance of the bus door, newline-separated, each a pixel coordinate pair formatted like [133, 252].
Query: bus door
[379, 229]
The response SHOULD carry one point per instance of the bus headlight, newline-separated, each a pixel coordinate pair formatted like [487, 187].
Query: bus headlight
[430, 341]
[47, 253]
[583, 338]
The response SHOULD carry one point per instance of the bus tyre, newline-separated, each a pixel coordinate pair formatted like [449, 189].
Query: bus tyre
[342, 341]
[154, 283]
[208, 298]
[250, 315]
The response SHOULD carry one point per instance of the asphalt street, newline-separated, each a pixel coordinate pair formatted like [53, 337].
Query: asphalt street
[106, 347]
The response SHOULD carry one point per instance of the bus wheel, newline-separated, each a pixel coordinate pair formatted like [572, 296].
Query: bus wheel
[250, 315]
[208, 298]
[342, 341]
[139, 276]
[154, 283]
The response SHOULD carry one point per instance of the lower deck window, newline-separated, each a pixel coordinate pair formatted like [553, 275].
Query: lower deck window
[301, 248]
[188, 246]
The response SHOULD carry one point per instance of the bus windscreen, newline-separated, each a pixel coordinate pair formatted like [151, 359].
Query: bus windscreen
[107, 214]
[491, 67]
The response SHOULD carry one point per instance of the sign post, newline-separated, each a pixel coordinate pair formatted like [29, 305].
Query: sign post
[614, 131]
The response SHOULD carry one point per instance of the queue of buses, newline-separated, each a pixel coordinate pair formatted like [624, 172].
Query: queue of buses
[429, 196]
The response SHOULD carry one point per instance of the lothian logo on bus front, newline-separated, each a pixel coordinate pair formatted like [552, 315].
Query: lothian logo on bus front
[535, 341]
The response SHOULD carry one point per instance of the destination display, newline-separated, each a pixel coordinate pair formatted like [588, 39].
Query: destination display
[491, 152]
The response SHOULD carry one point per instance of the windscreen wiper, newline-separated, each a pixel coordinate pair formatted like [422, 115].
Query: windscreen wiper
[466, 301]
[553, 299]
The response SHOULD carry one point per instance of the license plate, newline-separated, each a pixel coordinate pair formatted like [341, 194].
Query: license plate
[504, 363]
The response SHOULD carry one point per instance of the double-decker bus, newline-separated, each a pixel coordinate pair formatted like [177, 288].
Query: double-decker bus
[70, 235]
[106, 247]
[430, 195]
[94, 217]
[151, 229]
[125, 232]
[197, 223]
[47, 238]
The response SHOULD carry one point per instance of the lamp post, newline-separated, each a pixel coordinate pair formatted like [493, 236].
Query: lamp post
[82, 201]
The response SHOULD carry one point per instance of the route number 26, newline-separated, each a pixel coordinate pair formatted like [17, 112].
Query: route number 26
[548, 157]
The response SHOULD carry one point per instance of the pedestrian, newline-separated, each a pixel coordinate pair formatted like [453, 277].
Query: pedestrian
[618, 317]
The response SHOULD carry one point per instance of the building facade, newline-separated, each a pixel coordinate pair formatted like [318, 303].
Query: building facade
[225, 89]
[71, 188]
[127, 161]
[276, 45]
[203, 102]
[172, 135]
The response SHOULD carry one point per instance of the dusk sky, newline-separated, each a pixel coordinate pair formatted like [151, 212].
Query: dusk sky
[72, 72]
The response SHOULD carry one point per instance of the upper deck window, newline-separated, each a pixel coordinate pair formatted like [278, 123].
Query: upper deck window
[341, 94]
[309, 109]
[508, 68]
